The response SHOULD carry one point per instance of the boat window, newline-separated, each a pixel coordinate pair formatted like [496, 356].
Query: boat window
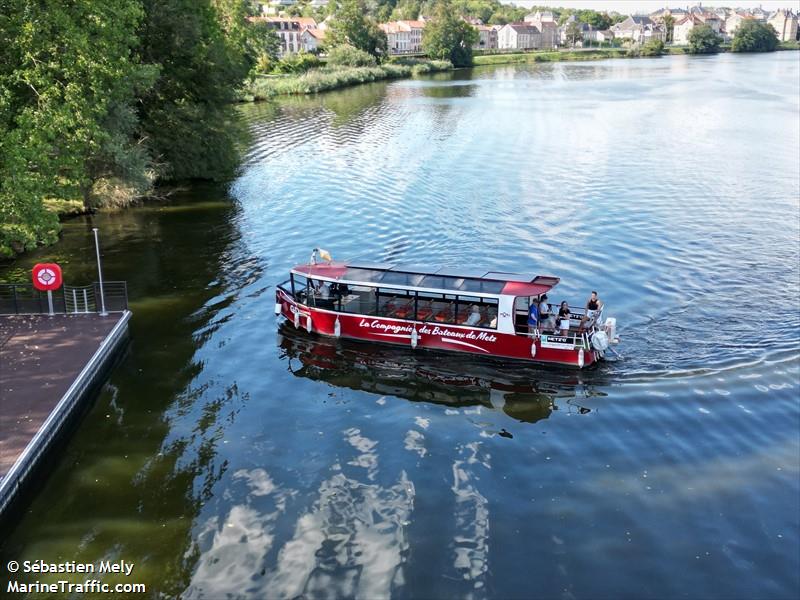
[477, 312]
[359, 299]
[480, 285]
[395, 304]
[299, 287]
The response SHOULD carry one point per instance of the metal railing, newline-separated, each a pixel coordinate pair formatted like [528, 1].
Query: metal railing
[23, 298]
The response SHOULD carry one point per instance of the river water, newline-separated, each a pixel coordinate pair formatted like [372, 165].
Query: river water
[231, 457]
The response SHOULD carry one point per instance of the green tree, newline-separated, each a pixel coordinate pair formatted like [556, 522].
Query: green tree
[448, 37]
[753, 36]
[595, 19]
[187, 116]
[68, 77]
[669, 25]
[574, 32]
[703, 40]
[652, 48]
[352, 26]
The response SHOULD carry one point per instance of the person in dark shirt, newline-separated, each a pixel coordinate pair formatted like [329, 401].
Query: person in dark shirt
[593, 307]
[563, 318]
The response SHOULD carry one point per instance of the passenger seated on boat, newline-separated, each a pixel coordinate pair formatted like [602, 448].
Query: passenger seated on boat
[489, 317]
[593, 307]
[475, 316]
[563, 318]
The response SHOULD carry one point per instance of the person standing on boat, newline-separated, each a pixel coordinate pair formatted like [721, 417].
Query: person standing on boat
[545, 314]
[533, 315]
[593, 307]
[563, 318]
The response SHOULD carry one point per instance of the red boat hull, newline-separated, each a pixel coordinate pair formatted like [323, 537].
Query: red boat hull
[432, 336]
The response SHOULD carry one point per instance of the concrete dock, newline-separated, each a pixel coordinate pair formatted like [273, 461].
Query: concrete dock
[47, 366]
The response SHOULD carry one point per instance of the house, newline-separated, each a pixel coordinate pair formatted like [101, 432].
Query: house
[487, 38]
[289, 30]
[639, 29]
[519, 36]
[785, 24]
[682, 28]
[547, 26]
[583, 30]
[403, 37]
[598, 36]
[712, 20]
[311, 39]
[733, 22]
[760, 14]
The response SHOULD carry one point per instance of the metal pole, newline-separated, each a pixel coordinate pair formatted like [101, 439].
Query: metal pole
[99, 274]
[50, 302]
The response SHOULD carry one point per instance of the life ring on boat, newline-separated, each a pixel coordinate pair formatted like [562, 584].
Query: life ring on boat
[533, 349]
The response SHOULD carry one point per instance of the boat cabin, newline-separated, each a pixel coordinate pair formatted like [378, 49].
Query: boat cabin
[480, 299]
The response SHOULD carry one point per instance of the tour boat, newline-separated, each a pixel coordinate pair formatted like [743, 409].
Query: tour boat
[459, 310]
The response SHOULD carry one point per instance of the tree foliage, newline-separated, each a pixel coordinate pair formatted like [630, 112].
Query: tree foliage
[652, 48]
[448, 37]
[352, 26]
[754, 36]
[348, 56]
[703, 40]
[100, 95]
[68, 78]
[669, 24]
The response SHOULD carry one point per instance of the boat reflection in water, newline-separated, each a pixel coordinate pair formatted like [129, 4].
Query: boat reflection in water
[525, 393]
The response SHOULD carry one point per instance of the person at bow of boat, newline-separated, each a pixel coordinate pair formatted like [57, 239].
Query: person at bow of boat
[593, 307]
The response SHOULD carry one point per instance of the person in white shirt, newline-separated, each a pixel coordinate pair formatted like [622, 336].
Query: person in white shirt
[546, 320]
[474, 318]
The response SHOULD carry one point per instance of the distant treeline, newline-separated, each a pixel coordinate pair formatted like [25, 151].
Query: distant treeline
[101, 99]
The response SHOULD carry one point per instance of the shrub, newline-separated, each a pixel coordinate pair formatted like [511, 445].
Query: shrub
[348, 56]
[297, 63]
[703, 40]
[653, 48]
[752, 36]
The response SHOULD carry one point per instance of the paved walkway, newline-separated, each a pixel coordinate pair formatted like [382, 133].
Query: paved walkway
[40, 357]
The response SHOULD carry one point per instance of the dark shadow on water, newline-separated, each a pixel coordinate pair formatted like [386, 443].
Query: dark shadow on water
[524, 392]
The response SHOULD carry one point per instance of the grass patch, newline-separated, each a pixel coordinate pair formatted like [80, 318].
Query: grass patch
[64, 208]
[789, 45]
[551, 56]
[329, 78]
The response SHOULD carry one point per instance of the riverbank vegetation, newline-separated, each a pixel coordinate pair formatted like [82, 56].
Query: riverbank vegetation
[102, 99]
[753, 36]
[330, 78]
[548, 56]
[704, 40]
